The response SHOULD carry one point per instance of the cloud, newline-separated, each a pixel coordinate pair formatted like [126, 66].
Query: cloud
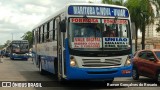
[20, 16]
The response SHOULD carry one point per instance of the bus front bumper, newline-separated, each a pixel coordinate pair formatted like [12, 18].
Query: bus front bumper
[19, 56]
[74, 73]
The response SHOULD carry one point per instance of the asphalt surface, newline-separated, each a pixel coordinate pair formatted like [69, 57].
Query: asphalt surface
[24, 72]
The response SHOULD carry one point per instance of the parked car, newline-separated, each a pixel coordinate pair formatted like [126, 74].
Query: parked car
[147, 63]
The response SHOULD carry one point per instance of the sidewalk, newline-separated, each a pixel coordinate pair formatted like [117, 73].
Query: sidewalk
[1, 60]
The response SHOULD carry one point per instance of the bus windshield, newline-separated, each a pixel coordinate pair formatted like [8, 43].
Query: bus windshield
[20, 47]
[97, 34]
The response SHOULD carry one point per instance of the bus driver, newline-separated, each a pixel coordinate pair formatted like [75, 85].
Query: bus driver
[109, 32]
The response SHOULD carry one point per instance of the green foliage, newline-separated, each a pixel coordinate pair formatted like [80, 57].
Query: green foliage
[116, 2]
[7, 43]
[28, 36]
[141, 13]
[158, 28]
[1, 47]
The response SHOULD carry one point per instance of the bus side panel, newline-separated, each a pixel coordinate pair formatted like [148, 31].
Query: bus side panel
[47, 53]
[48, 63]
[51, 65]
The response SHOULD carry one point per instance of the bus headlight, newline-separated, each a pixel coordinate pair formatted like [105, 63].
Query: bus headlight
[128, 61]
[72, 61]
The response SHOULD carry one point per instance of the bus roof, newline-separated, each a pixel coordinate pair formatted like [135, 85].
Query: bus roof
[94, 4]
[19, 40]
[65, 8]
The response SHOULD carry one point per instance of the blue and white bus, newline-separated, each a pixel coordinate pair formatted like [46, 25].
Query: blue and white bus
[85, 42]
[18, 49]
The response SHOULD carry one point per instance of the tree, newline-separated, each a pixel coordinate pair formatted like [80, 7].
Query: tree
[7, 43]
[141, 12]
[28, 36]
[134, 9]
[158, 28]
[147, 14]
[116, 2]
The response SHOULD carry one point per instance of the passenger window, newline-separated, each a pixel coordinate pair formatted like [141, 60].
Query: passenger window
[56, 29]
[51, 30]
[142, 55]
[39, 35]
[42, 34]
[149, 55]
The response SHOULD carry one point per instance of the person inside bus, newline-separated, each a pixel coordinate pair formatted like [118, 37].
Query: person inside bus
[76, 33]
[96, 31]
[91, 31]
[84, 32]
[109, 32]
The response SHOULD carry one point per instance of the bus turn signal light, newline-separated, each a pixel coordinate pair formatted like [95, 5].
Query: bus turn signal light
[126, 71]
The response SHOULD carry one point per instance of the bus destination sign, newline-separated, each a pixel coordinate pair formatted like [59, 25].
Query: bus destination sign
[98, 11]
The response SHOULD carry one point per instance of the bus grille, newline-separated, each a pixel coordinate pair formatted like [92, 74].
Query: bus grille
[101, 62]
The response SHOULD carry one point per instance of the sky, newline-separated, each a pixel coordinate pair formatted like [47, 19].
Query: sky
[20, 16]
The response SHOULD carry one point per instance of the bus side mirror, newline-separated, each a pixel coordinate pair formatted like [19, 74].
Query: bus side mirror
[63, 26]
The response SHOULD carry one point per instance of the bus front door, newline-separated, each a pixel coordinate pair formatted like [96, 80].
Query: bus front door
[59, 51]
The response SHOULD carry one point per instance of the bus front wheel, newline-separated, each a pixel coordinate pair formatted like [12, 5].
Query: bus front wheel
[61, 80]
[109, 81]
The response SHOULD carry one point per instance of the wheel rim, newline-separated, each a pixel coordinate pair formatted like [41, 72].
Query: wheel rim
[134, 74]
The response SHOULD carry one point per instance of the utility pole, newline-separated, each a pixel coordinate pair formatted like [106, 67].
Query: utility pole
[12, 36]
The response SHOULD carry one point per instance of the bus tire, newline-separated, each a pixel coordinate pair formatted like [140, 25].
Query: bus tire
[135, 74]
[109, 81]
[61, 80]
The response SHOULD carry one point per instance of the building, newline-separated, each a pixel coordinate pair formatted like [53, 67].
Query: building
[152, 37]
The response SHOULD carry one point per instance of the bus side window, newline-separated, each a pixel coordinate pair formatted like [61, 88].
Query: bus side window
[47, 37]
[45, 32]
[42, 34]
[39, 35]
[33, 36]
[55, 28]
[51, 30]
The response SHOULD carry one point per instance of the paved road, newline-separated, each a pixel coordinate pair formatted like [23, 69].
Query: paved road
[19, 70]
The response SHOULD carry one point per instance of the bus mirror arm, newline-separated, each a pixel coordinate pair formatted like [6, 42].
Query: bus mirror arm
[63, 26]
